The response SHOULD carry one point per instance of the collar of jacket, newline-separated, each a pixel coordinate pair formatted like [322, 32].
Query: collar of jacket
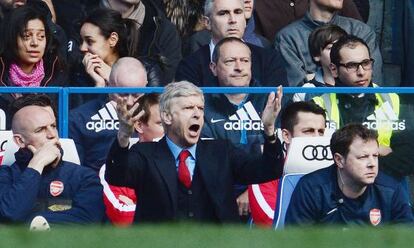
[313, 24]
[23, 157]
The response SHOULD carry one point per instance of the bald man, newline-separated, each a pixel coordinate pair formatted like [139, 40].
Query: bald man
[94, 125]
[39, 183]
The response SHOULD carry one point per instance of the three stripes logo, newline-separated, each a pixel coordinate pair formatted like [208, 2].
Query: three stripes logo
[246, 118]
[384, 118]
[105, 119]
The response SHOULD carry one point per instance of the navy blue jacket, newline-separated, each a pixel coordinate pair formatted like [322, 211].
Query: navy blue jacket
[218, 109]
[24, 193]
[93, 137]
[317, 199]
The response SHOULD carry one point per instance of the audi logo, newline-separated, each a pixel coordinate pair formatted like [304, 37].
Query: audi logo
[318, 153]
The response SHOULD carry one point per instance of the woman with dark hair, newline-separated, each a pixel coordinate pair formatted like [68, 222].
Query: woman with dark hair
[30, 54]
[106, 37]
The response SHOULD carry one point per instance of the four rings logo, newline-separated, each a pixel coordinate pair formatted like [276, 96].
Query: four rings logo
[317, 152]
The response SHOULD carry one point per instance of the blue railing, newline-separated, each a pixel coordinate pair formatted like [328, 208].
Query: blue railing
[64, 93]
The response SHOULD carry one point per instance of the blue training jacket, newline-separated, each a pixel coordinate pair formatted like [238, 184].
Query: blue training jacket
[317, 199]
[69, 193]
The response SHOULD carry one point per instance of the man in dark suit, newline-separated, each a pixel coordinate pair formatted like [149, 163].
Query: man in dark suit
[182, 177]
[225, 18]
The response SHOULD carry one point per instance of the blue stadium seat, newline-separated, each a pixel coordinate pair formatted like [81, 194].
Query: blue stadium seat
[286, 186]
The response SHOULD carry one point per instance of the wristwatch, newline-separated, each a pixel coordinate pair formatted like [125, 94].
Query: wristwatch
[270, 138]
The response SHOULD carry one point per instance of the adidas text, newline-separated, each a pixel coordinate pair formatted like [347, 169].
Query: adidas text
[243, 125]
[102, 125]
[390, 125]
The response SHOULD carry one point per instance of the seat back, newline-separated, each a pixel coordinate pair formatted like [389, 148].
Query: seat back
[307, 154]
[8, 148]
[2, 120]
[286, 186]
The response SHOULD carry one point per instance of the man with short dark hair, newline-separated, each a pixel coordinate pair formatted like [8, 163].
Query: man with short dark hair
[352, 66]
[39, 183]
[298, 119]
[352, 191]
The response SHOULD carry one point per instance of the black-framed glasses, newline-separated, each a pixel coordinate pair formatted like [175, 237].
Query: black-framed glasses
[366, 64]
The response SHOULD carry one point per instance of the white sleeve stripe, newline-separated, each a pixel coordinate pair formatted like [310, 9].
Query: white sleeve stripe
[262, 202]
[110, 195]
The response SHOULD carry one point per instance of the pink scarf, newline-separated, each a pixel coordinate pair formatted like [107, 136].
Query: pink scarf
[20, 78]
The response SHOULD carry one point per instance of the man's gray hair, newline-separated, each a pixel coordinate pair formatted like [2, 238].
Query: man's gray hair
[208, 7]
[178, 89]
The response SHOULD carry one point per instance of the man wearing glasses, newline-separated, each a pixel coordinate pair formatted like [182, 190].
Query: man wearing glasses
[352, 66]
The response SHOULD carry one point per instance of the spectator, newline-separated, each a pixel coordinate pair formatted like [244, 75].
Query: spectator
[39, 183]
[320, 43]
[46, 9]
[120, 202]
[273, 15]
[195, 67]
[299, 119]
[180, 177]
[31, 58]
[351, 191]
[93, 125]
[291, 43]
[224, 113]
[106, 37]
[158, 37]
[203, 37]
[351, 65]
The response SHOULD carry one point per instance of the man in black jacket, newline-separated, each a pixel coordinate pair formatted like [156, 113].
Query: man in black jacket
[182, 177]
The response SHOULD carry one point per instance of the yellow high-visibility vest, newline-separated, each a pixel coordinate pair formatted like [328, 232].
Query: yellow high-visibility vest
[329, 102]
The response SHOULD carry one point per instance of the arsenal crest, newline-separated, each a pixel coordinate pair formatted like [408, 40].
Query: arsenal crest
[56, 188]
[375, 216]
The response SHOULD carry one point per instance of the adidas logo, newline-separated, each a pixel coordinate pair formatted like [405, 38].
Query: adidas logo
[2, 120]
[246, 118]
[384, 118]
[105, 119]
